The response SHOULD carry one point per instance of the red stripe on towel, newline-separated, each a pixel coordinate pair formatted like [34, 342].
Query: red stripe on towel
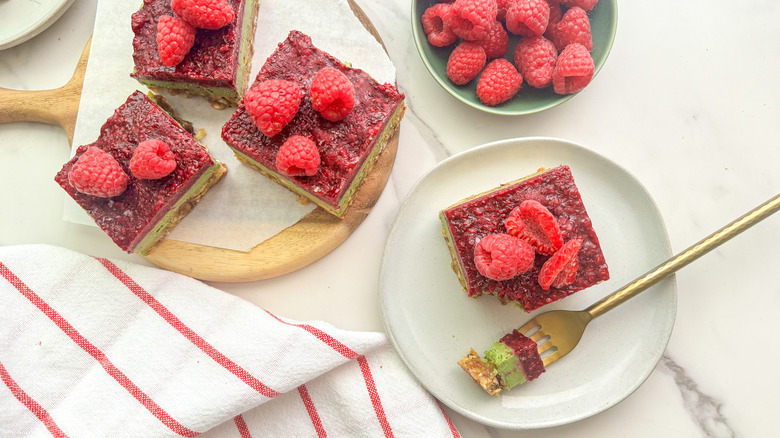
[455, 433]
[188, 333]
[322, 336]
[374, 395]
[364, 368]
[241, 426]
[98, 355]
[312, 410]
[31, 404]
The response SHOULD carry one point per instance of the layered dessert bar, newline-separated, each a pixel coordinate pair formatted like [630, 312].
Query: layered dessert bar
[217, 65]
[345, 150]
[142, 175]
[510, 361]
[495, 229]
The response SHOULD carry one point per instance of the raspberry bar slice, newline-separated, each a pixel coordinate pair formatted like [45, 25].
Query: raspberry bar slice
[348, 148]
[573, 264]
[149, 206]
[512, 360]
[216, 67]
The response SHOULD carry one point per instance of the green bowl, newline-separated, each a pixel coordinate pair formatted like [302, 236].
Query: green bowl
[603, 23]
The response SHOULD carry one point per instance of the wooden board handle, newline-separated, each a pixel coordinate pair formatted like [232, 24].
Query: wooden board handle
[55, 107]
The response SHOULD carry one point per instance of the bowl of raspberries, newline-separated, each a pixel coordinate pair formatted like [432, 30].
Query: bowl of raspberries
[514, 57]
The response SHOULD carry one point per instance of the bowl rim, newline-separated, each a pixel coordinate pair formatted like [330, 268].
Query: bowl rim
[421, 42]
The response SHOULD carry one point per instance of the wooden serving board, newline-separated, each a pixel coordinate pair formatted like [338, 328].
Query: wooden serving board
[314, 236]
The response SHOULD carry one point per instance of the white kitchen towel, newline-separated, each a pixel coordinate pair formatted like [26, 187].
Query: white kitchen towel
[91, 347]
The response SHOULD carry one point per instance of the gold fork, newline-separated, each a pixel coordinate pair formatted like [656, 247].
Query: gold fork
[557, 332]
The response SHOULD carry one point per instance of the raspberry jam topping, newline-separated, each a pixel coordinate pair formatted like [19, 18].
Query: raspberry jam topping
[212, 60]
[527, 353]
[126, 216]
[555, 189]
[343, 145]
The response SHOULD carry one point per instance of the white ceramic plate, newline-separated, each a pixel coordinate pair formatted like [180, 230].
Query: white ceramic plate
[433, 324]
[22, 20]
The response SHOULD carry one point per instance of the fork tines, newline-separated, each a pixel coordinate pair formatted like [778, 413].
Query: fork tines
[533, 329]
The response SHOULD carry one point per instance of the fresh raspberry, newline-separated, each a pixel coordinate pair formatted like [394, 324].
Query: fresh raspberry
[533, 222]
[97, 173]
[436, 27]
[528, 17]
[496, 42]
[332, 94]
[501, 256]
[587, 5]
[204, 14]
[175, 38]
[574, 69]
[152, 159]
[465, 62]
[272, 104]
[561, 268]
[501, 8]
[556, 13]
[574, 27]
[499, 82]
[535, 59]
[472, 19]
[298, 156]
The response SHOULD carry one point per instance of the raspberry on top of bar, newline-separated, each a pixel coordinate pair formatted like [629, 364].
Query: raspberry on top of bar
[141, 176]
[494, 230]
[344, 113]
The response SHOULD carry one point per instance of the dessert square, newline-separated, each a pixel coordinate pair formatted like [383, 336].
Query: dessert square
[147, 209]
[348, 148]
[468, 221]
[218, 64]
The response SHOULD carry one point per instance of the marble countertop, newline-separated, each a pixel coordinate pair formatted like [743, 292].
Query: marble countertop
[688, 102]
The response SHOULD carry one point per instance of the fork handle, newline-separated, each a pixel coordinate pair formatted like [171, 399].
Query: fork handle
[684, 258]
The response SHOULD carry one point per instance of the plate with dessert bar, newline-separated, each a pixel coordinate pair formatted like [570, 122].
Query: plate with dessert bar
[21, 21]
[492, 236]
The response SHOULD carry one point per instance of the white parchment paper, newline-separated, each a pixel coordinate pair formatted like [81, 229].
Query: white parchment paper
[245, 208]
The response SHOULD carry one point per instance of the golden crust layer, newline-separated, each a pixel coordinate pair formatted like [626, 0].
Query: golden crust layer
[483, 372]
